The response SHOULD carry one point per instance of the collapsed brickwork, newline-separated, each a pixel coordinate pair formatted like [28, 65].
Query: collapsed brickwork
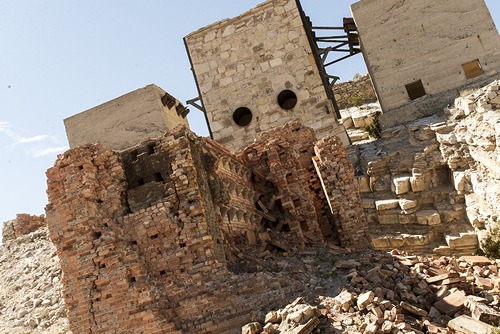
[22, 225]
[147, 236]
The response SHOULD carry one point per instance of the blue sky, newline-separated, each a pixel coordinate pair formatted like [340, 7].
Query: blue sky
[61, 57]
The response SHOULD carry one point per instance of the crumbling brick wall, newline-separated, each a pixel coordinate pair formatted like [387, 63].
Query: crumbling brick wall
[22, 225]
[146, 236]
[284, 156]
[156, 268]
[342, 191]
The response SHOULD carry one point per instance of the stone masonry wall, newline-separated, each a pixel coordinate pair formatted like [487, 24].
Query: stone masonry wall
[354, 92]
[246, 62]
[433, 184]
[22, 225]
[471, 144]
[160, 263]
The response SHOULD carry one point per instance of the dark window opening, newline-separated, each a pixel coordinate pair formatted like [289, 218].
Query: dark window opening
[102, 265]
[163, 273]
[140, 182]
[168, 100]
[182, 244]
[158, 177]
[133, 242]
[242, 116]
[415, 90]
[154, 236]
[133, 155]
[132, 279]
[151, 149]
[472, 69]
[97, 235]
[287, 99]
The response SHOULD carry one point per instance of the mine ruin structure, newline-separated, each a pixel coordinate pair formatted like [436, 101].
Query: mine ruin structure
[146, 236]
[258, 71]
[126, 120]
[421, 54]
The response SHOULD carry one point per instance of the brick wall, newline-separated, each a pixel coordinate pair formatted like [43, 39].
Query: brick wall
[146, 237]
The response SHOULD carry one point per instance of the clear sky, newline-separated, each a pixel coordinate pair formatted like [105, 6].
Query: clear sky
[61, 57]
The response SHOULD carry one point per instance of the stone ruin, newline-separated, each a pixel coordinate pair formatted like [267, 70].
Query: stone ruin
[150, 223]
[147, 235]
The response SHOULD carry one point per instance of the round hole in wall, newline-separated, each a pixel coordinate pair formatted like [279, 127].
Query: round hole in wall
[287, 99]
[242, 116]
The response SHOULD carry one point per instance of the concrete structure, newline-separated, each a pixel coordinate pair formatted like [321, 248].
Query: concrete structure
[257, 71]
[127, 120]
[420, 54]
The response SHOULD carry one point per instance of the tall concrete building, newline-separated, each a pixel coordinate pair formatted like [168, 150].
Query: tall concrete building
[421, 53]
[259, 71]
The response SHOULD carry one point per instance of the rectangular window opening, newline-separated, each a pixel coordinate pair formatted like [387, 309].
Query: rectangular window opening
[472, 69]
[415, 90]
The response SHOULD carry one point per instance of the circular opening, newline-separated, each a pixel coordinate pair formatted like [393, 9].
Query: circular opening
[242, 116]
[287, 99]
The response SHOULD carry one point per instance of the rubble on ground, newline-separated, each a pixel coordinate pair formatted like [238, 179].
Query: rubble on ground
[398, 293]
[30, 293]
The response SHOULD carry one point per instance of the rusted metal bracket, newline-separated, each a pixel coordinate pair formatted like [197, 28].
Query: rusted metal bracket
[196, 105]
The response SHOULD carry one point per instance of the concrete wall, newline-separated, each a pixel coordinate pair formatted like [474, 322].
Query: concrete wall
[126, 120]
[407, 41]
[247, 61]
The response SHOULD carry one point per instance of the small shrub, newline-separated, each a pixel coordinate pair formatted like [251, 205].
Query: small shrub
[490, 245]
[355, 100]
[373, 129]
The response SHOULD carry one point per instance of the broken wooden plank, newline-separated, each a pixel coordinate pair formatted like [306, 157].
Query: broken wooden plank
[262, 206]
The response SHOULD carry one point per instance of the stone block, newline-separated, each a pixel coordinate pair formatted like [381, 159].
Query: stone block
[463, 240]
[401, 185]
[364, 184]
[418, 183]
[428, 217]
[406, 219]
[466, 325]
[368, 203]
[388, 219]
[364, 299]
[388, 204]
[407, 204]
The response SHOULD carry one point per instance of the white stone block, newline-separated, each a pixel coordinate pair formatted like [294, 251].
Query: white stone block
[406, 204]
[428, 217]
[401, 185]
[387, 204]
[418, 182]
